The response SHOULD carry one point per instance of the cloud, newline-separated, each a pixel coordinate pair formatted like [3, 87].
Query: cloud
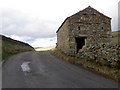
[32, 30]
[44, 42]
[36, 21]
[36, 42]
[23, 38]
[18, 24]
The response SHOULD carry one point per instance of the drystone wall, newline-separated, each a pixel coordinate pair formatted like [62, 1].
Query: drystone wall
[103, 51]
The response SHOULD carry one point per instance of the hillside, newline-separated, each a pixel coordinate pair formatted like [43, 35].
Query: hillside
[116, 36]
[11, 47]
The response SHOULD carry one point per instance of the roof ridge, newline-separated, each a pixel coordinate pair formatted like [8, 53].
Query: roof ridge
[89, 7]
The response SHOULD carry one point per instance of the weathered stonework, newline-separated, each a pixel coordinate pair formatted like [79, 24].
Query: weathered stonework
[84, 30]
[109, 52]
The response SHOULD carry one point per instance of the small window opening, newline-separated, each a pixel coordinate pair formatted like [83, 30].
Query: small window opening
[102, 27]
[90, 23]
[78, 28]
[93, 14]
[85, 14]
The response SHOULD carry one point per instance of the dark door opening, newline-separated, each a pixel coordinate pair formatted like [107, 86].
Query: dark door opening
[80, 42]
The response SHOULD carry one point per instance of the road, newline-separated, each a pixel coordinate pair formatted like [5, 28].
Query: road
[43, 70]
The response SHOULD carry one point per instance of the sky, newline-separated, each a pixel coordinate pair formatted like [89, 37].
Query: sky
[119, 16]
[36, 21]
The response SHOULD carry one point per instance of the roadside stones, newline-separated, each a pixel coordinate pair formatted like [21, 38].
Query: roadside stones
[109, 52]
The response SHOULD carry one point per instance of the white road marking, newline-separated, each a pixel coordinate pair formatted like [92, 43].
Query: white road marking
[25, 66]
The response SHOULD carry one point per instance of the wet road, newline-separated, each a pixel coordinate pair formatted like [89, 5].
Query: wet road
[43, 70]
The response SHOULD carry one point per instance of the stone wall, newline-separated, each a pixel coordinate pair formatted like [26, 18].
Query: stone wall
[103, 51]
[63, 38]
[91, 24]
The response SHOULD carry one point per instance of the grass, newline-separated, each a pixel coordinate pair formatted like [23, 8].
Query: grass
[116, 33]
[102, 67]
[11, 47]
[115, 37]
[115, 40]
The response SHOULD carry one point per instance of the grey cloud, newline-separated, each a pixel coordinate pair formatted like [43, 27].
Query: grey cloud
[36, 42]
[14, 23]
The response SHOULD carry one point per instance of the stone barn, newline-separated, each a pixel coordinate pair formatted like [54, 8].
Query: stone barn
[85, 28]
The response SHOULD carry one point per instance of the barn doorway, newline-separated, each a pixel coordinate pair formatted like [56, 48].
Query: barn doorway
[80, 42]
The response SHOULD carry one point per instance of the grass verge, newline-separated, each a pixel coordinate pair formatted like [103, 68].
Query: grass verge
[97, 66]
[12, 49]
[9, 47]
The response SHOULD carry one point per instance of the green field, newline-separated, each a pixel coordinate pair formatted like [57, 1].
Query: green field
[11, 47]
[116, 37]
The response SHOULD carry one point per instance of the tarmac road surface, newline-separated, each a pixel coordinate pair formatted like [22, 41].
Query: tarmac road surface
[43, 70]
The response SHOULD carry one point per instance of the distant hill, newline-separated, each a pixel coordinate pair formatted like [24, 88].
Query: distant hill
[116, 37]
[11, 47]
[45, 48]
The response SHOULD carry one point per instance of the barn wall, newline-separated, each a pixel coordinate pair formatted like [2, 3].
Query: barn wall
[88, 23]
[92, 24]
[63, 38]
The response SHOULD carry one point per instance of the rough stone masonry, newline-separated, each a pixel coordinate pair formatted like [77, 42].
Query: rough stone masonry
[87, 34]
